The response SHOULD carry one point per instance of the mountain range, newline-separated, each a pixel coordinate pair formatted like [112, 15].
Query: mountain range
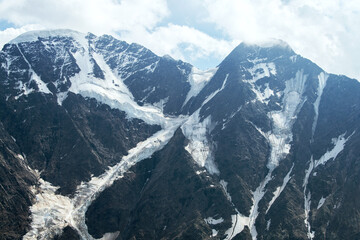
[101, 139]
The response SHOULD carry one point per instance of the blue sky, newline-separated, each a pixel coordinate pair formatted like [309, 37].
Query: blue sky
[203, 32]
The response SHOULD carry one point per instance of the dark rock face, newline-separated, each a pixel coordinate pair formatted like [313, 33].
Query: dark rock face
[161, 198]
[15, 194]
[69, 143]
[151, 79]
[282, 134]
[68, 233]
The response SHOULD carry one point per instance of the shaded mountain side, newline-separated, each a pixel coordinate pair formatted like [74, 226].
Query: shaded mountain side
[68, 233]
[15, 193]
[69, 143]
[164, 197]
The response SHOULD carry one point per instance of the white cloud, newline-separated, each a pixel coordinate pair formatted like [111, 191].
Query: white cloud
[10, 33]
[177, 40]
[132, 20]
[327, 32]
[97, 16]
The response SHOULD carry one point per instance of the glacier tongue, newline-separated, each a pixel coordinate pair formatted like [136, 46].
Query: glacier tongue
[52, 212]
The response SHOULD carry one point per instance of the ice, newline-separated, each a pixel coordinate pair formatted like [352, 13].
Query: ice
[268, 225]
[321, 203]
[239, 222]
[214, 233]
[199, 147]
[111, 90]
[321, 85]
[198, 79]
[279, 190]
[61, 97]
[33, 36]
[213, 221]
[339, 144]
[110, 236]
[52, 212]
[254, 211]
[197, 133]
[281, 135]
[224, 186]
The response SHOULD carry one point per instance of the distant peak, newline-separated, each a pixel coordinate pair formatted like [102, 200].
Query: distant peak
[33, 36]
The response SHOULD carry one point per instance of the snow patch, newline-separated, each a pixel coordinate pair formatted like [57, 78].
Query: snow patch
[321, 85]
[321, 203]
[199, 146]
[261, 70]
[214, 233]
[61, 97]
[268, 225]
[213, 221]
[279, 190]
[110, 236]
[339, 144]
[198, 79]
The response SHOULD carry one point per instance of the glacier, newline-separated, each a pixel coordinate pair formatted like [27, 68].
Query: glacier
[52, 212]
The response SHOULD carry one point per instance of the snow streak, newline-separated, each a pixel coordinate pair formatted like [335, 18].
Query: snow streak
[279, 139]
[339, 144]
[197, 133]
[322, 83]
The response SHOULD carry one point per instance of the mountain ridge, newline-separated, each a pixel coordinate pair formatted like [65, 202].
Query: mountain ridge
[261, 140]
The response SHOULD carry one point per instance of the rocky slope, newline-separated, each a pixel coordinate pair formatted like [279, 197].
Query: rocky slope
[110, 140]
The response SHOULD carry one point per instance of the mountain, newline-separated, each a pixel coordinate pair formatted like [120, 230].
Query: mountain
[101, 139]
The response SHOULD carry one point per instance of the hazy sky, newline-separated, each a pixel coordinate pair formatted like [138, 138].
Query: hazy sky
[203, 32]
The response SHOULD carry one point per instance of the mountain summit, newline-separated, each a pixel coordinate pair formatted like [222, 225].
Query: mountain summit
[101, 139]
